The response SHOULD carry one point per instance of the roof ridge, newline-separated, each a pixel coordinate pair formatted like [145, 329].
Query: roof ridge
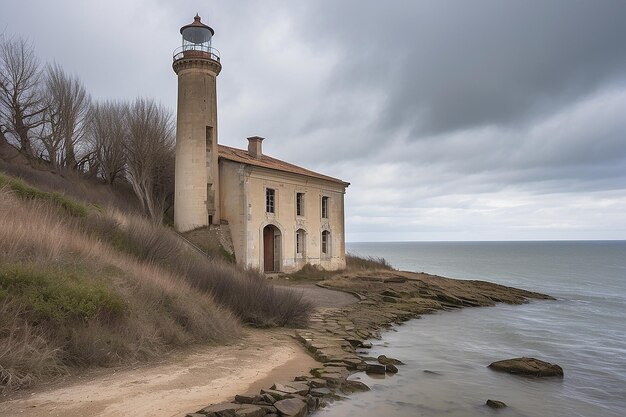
[266, 161]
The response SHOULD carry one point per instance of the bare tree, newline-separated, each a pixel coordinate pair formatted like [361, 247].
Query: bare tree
[150, 155]
[66, 114]
[108, 131]
[21, 103]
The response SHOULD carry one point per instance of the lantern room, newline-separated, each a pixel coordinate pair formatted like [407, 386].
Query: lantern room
[196, 41]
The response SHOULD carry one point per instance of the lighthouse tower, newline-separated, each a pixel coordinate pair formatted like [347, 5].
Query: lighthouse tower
[197, 64]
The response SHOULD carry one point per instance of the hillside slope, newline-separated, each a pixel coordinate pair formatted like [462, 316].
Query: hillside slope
[91, 283]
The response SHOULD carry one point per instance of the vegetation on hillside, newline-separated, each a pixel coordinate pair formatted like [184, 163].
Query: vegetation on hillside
[84, 284]
[48, 116]
[355, 262]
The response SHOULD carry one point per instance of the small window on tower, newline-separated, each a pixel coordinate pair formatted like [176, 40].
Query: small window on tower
[270, 200]
[299, 204]
[324, 207]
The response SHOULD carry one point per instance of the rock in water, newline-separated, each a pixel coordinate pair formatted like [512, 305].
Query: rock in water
[389, 361]
[527, 366]
[374, 368]
[391, 369]
[495, 404]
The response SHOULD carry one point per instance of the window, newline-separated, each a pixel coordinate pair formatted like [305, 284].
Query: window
[299, 204]
[325, 242]
[324, 207]
[300, 237]
[270, 200]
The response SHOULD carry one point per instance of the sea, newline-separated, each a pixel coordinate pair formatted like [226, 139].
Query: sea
[446, 354]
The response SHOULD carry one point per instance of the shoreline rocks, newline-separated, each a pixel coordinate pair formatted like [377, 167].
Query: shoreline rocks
[335, 334]
[527, 367]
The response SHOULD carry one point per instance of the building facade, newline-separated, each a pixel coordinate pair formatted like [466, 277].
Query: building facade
[281, 216]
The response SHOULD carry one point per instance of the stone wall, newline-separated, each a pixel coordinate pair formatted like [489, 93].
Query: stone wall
[243, 205]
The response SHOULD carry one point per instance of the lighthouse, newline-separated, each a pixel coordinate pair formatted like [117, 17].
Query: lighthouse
[197, 65]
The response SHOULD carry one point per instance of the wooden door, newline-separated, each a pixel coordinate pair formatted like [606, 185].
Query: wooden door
[268, 248]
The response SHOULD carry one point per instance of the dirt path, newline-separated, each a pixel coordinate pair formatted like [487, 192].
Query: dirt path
[176, 386]
[320, 297]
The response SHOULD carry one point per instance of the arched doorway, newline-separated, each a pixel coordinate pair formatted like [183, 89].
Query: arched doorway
[271, 248]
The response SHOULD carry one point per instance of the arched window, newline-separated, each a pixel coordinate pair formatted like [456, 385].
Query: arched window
[300, 242]
[325, 243]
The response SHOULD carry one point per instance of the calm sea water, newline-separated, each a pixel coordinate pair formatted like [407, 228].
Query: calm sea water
[584, 331]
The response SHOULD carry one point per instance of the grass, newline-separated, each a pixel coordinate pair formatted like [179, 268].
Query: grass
[22, 189]
[353, 263]
[86, 285]
[57, 295]
[244, 292]
[207, 239]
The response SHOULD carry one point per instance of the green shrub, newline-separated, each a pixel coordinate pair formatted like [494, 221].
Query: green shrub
[49, 295]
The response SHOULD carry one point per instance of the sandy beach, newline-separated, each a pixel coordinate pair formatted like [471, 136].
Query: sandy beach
[178, 384]
[182, 381]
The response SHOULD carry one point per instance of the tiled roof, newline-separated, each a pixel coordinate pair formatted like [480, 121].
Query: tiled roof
[242, 156]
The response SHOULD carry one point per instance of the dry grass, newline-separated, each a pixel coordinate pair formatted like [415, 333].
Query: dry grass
[25, 352]
[356, 263]
[71, 184]
[244, 292]
[353, 263]
[70, 299]
[101, 286]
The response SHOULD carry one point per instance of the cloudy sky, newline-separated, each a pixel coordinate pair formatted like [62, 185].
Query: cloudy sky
[453, 120]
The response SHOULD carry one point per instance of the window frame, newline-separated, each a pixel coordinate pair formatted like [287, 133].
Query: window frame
[325, 207]
[299, 204]
[300, 242]
[325, 243]
[270, 200]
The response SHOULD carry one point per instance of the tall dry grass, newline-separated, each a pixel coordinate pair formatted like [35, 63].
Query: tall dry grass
[115, 288]
[71, 183]
[355, 262]
[160, 309]
[245, 292]
[25, 351]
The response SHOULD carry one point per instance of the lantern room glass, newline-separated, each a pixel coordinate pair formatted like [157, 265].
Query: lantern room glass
[196, 42]
[196, 38]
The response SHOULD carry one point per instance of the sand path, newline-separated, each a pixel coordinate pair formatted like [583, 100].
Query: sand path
[179, 384]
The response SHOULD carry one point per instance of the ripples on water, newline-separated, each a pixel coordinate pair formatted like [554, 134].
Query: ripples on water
[583, 331]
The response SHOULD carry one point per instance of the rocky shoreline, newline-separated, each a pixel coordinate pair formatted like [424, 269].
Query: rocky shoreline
[337, 337]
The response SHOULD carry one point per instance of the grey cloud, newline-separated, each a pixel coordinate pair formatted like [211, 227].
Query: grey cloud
[451, 119]
[447, 66]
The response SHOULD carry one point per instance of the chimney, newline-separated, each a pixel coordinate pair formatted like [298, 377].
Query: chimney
[255, 146]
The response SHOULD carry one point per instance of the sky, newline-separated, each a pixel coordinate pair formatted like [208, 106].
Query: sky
[452, 120]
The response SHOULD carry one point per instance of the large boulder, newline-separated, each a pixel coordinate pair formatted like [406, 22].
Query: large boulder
[527, 366]
[495, 404]
[232, 410]
[291, 407]
[375, 368]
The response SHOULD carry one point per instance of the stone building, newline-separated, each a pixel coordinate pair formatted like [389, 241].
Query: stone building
[280, 216]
